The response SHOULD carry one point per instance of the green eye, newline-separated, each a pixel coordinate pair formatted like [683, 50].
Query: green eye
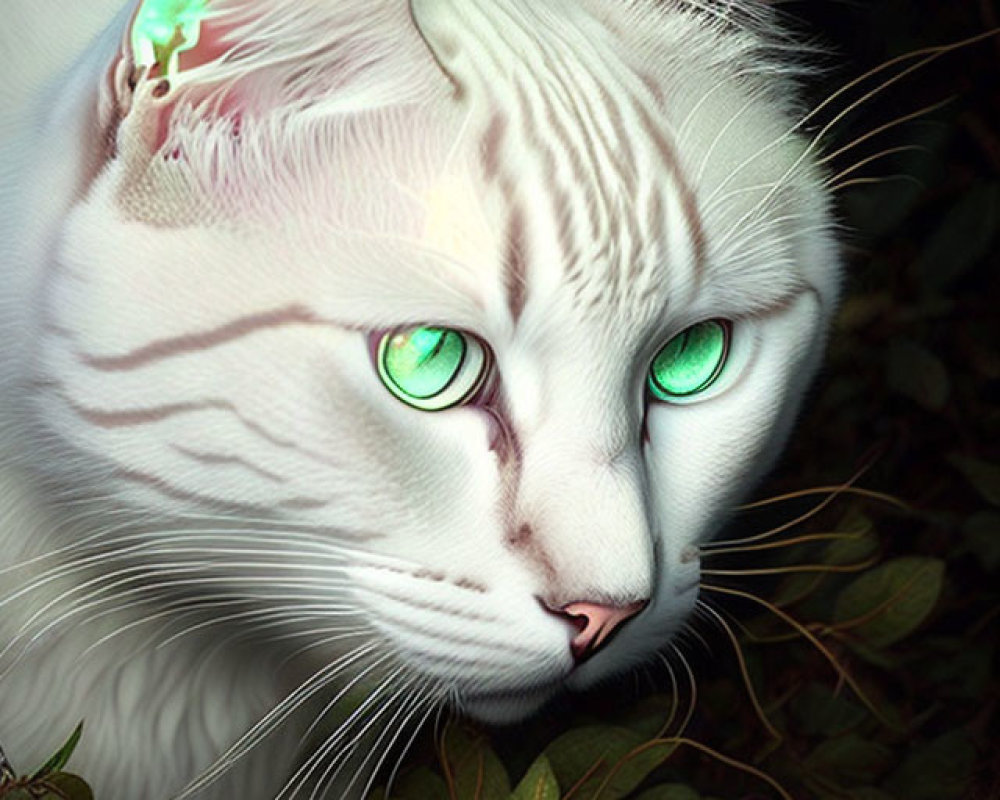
[431, 368]
[691, 361]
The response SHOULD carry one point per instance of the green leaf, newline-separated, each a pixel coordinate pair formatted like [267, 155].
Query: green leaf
[577, 751]
[670, 791]
[862, 545]
[962, 238]
[849, 760]
[959, 667]
[421, 784]
[858, 311]
[19, 794]
[983, 476]
[616, 760]
[893, 599]
[870, 793]
[538, 783]
[61, 758]
[477, 771]
[648, 718]
[919, 374]
[982, 538]
[819, 712]
[940, 770]
[68, 786]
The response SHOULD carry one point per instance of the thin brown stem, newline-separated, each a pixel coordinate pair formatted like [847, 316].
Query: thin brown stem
[846, 488]
[583, 779]
[745, 673]
[449, 778]
[883, 128]
[693, 683]
[816, 509]
[904, 148]
[732, 762]
[805, 539]
[675, 695]
[876, 180]
[860, 566]
[881, 608]
[810, 637]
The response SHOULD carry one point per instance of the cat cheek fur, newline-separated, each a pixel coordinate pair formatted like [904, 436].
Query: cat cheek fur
[199, 297]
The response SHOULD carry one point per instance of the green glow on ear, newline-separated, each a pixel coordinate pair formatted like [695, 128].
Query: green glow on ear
[690, 362]
[164, 28]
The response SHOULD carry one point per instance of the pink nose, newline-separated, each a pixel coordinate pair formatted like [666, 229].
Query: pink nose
[595, 623]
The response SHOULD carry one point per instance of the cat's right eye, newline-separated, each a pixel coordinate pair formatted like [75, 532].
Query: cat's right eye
[432, 368]
[690, 362]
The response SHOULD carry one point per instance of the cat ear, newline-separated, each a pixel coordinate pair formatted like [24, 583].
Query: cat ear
[223, 60]
[166, 55]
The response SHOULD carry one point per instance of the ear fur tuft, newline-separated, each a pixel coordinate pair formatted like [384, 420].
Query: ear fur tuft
[230, 59]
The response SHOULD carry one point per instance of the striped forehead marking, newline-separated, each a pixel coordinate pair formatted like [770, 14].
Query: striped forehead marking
[610, 222]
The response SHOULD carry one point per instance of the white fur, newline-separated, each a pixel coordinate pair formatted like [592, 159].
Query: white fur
[354, 200]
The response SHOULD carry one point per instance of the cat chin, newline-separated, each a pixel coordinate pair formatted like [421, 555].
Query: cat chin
[507, 708]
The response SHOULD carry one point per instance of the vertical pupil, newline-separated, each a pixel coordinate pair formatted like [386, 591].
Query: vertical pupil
[423, 362]
[425, 343]
[690, 361]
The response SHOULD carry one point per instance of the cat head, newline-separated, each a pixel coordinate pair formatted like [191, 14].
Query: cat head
[478, 317]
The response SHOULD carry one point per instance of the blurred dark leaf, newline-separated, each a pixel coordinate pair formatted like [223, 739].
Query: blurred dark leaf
[648, 718]
[961, 668]
[982, 537]
[420, 784]
[984, 476]
[862, 544]
[939, 770]
[890, 601]
[850, 760]
[918, 374]
[964, 237]
[670, 791]
[67, 787]
[870, 793]
[818, 711]
[861, 310]
[18, 794]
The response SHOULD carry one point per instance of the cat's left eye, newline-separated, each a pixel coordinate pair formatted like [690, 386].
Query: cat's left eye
[432, 368]
[690, 362]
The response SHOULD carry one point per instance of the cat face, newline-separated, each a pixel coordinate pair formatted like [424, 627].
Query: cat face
[548, 206]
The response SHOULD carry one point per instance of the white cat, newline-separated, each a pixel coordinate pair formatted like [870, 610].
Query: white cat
[416, 344]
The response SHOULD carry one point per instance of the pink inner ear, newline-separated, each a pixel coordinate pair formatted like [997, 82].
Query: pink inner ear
[212, 44]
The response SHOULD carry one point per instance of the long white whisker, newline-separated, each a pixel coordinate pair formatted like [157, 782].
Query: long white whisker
[303, 773]
[411, 706]
[315, 683]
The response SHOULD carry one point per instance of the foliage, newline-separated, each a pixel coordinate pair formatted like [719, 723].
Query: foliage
[48, 782]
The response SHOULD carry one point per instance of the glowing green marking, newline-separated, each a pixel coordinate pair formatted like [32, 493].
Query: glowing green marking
[422, 363]
[165, 28]
[690, 362]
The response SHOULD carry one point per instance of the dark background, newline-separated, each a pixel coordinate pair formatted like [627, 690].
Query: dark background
[910, 391]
